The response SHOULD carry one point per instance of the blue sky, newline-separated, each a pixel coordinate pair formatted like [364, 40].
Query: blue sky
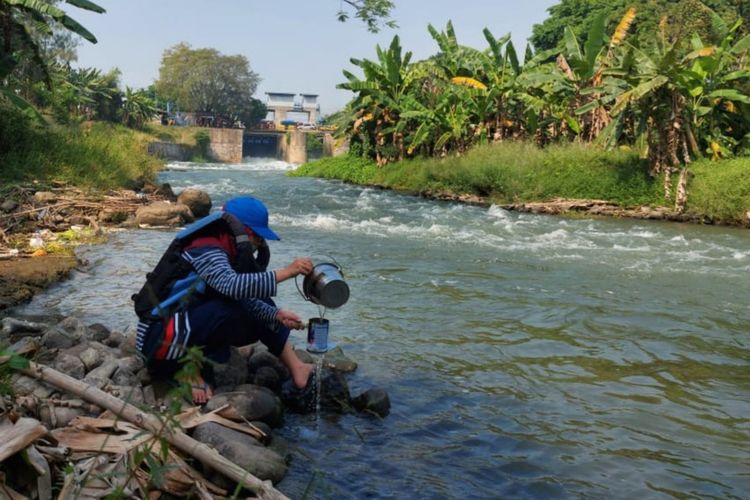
[295, 45]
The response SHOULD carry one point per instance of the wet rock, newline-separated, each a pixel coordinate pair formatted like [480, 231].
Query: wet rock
[374, 401]
[243, 450]
[45, 197]
[267, 377]
[263, 358]
[164, 214]
[335, 359]
[196, 200]
[334, 394]
[231, 373]
[70, 365]
[252, 403]
[98, 332]
[266, 429]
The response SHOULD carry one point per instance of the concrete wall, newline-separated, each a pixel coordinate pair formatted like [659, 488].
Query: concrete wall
[171, 151]
[226, 145]
[293, 146]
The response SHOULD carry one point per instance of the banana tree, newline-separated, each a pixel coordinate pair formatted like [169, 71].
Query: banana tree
[381, 96]
[18, 41]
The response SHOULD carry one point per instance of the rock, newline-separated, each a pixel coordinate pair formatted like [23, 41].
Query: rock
[133, 394]
[196, 200]
[45, 197]
[243, 450]
[74, 327]
[70, 365]
[131, 363]
[27, 386]
[261, 358]
[8, 206]
[267, 377]
[335, 359]
[112, 216]
[252, 403]
[164, 190]
[374, 401]
[91, 358]
[125, 377]
[334, 394]
[98, 332]
[164, 214]
[115, 339]
[231, 373]
[149, 396]
[57, 338]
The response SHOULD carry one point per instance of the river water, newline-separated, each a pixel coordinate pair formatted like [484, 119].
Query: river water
[525, 356]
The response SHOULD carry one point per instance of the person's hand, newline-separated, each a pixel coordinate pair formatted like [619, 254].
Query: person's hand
[300, 265]
[289, 320]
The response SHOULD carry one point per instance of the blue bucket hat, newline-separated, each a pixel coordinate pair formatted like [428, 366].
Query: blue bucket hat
[252, 213]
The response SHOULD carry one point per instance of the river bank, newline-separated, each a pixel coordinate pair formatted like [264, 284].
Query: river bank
[562, 180]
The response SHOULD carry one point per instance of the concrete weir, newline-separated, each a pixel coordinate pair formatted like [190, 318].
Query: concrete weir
[232, 145]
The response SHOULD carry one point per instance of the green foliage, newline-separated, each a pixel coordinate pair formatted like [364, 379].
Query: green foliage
[374, 13]
[203, 141]
[684, 18]
[206, 81]
[509, 172]
[720, 191]
[94, 155]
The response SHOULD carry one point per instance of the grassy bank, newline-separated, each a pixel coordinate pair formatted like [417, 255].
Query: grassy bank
[100, 155]
[519, 172]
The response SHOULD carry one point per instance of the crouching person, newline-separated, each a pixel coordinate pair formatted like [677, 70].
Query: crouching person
[211, 289]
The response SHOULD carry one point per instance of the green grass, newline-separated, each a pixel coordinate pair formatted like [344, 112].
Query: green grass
[95, 155]
[521, 172]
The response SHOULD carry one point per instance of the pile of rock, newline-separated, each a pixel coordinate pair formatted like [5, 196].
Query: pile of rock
[253, 388]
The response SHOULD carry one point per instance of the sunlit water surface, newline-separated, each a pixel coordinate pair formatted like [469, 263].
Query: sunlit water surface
[525, 355]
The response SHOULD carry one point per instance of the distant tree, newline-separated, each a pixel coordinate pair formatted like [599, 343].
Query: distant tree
[374, 13]
[206, 81]
[684, 17]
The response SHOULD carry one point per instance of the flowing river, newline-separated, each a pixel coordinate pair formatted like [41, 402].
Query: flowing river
[525, 356]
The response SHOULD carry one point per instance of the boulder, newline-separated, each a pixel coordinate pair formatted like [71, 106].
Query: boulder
[231, 373]
[335, 359]
[375, 401]
[98, 332]
[57, 338]
[91, 358]
[334, 394]
[163, 213]
[196, 200]
[243, 450]
[267, 377]
[252, 403]
[8, 206]
[262, 358]
[70, 365]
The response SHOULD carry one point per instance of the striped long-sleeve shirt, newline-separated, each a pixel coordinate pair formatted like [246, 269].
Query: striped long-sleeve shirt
[213, 266]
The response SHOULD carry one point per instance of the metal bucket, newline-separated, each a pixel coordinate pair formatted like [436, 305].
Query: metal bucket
[326, 286]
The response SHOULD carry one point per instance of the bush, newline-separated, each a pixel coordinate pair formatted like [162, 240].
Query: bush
[203, 142]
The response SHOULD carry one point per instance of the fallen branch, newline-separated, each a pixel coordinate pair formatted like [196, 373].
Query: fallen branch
[204, 453]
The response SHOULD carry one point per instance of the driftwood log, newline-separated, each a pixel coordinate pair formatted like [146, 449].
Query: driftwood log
[151, 423]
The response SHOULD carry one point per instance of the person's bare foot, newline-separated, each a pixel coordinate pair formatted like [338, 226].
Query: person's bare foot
[302, 375]
[201, 391]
